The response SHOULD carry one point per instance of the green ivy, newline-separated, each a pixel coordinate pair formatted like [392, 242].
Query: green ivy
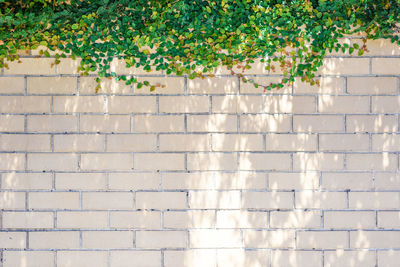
[194, 37]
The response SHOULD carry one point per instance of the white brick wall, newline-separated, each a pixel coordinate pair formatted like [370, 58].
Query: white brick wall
[202, 173]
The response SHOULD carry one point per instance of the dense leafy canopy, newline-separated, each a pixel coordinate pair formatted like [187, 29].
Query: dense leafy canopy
[193, 37]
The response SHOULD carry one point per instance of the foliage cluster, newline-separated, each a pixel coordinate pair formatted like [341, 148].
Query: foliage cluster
[194, 37]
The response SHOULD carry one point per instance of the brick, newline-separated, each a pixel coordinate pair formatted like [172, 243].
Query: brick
[387, 181]
[135, 258]
[53, 200]
[371, 123]
[258, 67]
[386, 142]
[295, 219]
[68, 66]
[320, 200]
[289, 104]
[135, 219]
[42, 66]
[388, 219]
[374, 200]
[193, 258]
[26, 181]
[161, 200]
[13, 240]
[108, 86]
[52, 162]
[28, 220]
[210, 238]
[318, 123]
[241, 180]
[28, 258]
[216, 85]
[212, 161]
[344, 142]
[385, 104]
[296, 258]
[237, 104]
[105, 123]
[293, 181]
[54, 240]
[150, 123]
[375, 239]
[11, 161]
[212, 123]
[181, 142]
[317, 161]
[164, 161]
[189, 219]
[189, 180]
[240, 257]
[52, 85]
[241, 219]
[161, 239]
[107, 200]
[119, 67]
[24, 104]
[107, 240]
[382, 162]
[349, 219]
[371, 85]
[343, 104]
[382, 47]
[264, 161]
[80, 181]
[133, 181]
[104, 161]
[184, 104]
[341, 258]
[214, 200]
[385, 65]
[12, 200]
[346, 181]
[268, 239]
[24, 142]
[213, 180]
[237, 142]
[11, 123]
[321, 240]
[248, 88]
[82, 258]
[265, 123]
[131, 142]
[74, 104]
[79, 143]
[12, 85]
[291, 142]
[131, 104]
[328, 85]
[173, 85]
[52, 123]
[82, 220]
[388, 258]
[267, 200]
[347, 66]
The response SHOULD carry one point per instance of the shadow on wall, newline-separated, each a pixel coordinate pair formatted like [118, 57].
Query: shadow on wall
[297, 177]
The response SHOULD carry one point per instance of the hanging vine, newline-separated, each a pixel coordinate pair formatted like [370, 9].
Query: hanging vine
[194, 37]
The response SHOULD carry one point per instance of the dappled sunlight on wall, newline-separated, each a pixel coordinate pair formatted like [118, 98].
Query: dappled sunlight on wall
[208, 172]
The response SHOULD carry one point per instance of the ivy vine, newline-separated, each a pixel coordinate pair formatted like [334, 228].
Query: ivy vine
[194, 37]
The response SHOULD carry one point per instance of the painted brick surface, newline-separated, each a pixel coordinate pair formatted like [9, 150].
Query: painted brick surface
[201, 173]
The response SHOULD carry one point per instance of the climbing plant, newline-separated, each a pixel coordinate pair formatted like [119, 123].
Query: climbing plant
[194, 37]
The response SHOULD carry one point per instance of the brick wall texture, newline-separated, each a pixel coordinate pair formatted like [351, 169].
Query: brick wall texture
[202, 173]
